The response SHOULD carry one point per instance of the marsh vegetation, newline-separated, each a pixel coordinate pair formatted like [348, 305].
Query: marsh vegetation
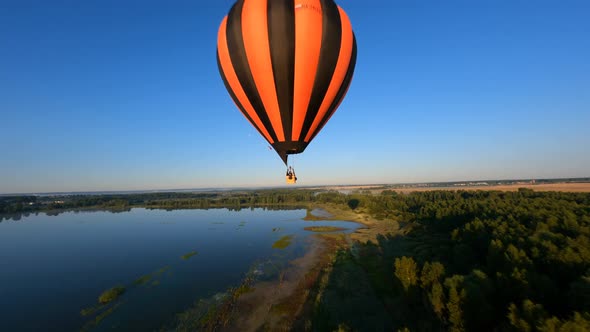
[143, 279]
[321, 229]
[111, 294]
[283, 242]
[188, 255]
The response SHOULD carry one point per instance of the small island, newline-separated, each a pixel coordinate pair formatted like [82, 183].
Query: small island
[283, 242]
[111, 294]
[188, 255]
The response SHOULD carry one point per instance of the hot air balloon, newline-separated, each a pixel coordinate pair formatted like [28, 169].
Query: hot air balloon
[287, 65]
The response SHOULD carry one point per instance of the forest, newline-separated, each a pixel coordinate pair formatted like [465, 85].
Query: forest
[467, 261]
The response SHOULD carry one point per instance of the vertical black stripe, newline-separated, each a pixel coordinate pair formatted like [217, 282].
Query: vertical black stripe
[329, 51]
[281, 36]
[235, 99]
[237, 53]
[342, 91]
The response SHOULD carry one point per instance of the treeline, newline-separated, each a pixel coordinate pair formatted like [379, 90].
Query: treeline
[16, 204]
[233, 200]
[266, 198]
[484, 260]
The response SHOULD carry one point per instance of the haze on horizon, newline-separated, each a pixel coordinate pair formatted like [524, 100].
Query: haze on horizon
[101, 96]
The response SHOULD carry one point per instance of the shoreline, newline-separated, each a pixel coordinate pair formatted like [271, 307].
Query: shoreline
[574, 187]
[281, 304]
[275, 304]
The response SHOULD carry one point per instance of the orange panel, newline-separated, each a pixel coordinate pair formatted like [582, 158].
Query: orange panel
[255, 35]
[335, 108]
[339, 73]
[308, 41]
[234, 82]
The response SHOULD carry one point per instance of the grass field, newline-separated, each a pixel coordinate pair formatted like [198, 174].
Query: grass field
[564, 186]
[568, 187]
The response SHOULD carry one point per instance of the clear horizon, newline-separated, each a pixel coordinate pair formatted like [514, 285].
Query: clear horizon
[140, 190]
[121, 97]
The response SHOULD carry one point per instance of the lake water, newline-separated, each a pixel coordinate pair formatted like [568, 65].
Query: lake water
[52, 267]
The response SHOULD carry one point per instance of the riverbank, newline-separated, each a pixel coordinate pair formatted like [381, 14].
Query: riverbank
[291, 300]
[372, 227]
[275, 300]
[275, 305]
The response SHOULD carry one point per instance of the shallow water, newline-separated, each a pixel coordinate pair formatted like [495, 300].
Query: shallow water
[52, 267]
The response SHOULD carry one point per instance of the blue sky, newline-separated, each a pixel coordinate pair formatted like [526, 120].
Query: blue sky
[122, 95]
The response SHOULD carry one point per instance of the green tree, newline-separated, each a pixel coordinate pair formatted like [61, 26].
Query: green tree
[406, 272]
[353, 203]
[526, 318]
[578, 323]
[456, 296]
[432, 289]
[431, 273]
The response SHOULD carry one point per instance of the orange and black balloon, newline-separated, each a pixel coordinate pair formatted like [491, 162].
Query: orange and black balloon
[287, 65]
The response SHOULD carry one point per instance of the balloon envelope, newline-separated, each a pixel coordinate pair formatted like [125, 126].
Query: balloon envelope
[287, 65]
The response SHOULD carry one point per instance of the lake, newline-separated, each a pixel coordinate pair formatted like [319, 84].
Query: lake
[53, 267]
